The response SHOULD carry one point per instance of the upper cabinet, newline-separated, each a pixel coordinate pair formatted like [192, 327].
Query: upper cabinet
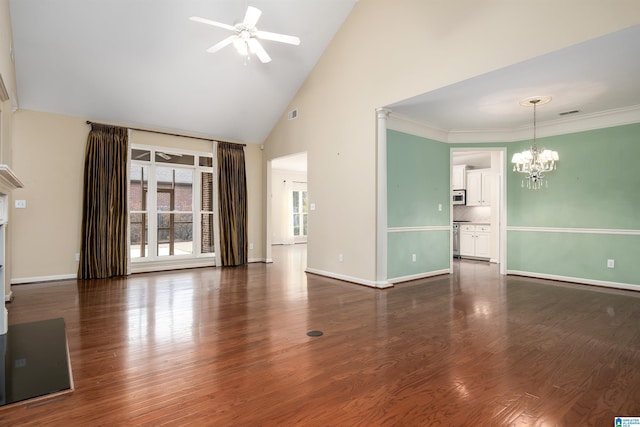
[479, 187]
[459, 177]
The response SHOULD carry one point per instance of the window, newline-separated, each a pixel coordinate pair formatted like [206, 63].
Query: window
[168, 190]
[299, 214]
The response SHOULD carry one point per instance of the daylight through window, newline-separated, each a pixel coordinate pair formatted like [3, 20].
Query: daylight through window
[167, 191]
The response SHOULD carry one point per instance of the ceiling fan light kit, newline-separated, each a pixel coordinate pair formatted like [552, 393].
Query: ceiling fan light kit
[535, 162]
[246, 36]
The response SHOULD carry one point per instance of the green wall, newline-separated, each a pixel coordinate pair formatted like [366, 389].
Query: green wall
[417, 181]
[596, 186]
[578, 255]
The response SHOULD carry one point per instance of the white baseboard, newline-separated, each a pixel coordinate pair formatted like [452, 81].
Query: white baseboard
[178, 265]
[23, 280]
[579, 280]
[135, 268]
[370, 283]
[8, 297]
[419, 276]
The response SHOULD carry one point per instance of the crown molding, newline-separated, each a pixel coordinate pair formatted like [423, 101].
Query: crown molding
[411, 126]
[563, 126]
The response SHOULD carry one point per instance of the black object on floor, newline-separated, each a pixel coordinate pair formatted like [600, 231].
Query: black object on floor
[35, 361]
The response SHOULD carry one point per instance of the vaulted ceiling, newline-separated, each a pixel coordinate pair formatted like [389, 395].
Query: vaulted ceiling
[145, 63]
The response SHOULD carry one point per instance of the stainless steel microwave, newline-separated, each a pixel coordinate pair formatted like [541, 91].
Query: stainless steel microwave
[459, 197]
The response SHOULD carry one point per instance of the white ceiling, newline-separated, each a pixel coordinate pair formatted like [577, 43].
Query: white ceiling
[293, 163]
[144, 63]
[595, 76]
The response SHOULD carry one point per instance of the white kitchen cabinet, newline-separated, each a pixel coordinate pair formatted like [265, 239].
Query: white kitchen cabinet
[467, 240]
[483, 239]
[479, 183]
[475, 241]
[459, 177]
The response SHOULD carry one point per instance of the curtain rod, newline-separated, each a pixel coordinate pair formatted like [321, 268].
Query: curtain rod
[168, 133]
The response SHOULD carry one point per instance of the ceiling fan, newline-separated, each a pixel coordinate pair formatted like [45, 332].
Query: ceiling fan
[246, 36]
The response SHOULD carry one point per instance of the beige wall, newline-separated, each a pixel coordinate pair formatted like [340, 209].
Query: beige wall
[7, 71]
[387, 51]
[49, 158]
[255, 233]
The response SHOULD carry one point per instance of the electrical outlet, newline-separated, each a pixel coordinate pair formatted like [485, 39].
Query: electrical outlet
[340, 258]
[21, 204]
[78, 257]
[440, 207]
[250, 246]
[611, 263]
[413, 257]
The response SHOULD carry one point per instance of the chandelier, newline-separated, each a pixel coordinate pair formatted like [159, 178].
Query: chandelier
[535, 162]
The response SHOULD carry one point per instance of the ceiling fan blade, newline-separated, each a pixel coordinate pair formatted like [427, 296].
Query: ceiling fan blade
[251, 17]
[214, 23]
[216, 47]
[283, 38]
[257, 48]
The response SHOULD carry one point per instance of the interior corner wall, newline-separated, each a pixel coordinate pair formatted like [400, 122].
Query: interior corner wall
[361, 70]
[49, 152]
[418, 206]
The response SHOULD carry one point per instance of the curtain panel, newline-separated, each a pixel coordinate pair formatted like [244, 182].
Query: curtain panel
[232, 190]
[103, 251]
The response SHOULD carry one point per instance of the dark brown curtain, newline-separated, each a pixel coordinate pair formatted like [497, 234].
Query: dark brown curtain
[232, 189]
[103, 251]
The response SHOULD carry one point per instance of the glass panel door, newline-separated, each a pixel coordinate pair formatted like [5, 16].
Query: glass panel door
[299, 215]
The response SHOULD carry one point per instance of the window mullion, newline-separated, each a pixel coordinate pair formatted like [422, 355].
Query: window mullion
[152, 209]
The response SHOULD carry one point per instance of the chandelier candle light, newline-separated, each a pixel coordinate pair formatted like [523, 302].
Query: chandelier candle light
[535, 162]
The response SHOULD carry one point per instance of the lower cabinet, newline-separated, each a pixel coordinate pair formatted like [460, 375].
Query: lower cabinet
[475, 241]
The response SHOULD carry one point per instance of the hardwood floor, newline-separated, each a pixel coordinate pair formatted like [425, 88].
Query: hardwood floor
[229, 347]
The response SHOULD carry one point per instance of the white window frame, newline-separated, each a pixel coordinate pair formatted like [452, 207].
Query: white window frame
[152, 212]
[300, 188]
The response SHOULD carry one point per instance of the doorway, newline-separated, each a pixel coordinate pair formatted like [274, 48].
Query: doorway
[485, 166]
[287, 222]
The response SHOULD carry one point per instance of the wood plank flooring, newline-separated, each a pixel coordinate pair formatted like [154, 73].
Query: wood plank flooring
[229, 347]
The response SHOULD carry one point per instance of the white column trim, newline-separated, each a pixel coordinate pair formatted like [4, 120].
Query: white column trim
[381, 197]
